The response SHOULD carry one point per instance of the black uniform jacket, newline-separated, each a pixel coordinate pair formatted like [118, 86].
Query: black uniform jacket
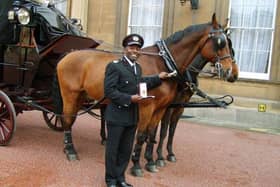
[119, 84]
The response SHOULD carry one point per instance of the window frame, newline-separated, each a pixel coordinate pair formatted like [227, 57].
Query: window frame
[161, 26]
[255, 75]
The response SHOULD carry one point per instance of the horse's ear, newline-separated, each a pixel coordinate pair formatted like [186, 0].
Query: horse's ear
[214, 21]
[226, 24]
[226, 27]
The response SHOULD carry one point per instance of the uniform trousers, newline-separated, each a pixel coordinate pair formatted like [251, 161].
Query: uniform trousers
[119, 146]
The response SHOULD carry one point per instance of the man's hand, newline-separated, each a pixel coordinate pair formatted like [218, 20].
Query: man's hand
[163, 75]
[135, 98]
[138, 99]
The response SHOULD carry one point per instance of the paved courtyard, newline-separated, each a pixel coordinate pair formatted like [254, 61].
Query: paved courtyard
[206, 156]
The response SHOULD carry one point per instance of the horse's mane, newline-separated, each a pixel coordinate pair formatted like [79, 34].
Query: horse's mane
[177, 36]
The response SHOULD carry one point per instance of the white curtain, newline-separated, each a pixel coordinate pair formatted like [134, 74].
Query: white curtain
[252, 23]
[146, 19]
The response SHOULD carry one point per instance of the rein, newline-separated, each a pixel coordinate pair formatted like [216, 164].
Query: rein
[173, 69]
[202, 94]
[187, 79]
[171, 65]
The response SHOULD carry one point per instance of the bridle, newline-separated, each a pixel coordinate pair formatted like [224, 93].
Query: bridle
[219, 43]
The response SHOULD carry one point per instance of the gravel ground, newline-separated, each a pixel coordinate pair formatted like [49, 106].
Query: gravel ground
[206, 156]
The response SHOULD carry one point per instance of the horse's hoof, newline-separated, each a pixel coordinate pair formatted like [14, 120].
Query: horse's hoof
[103, 142]
[136, 172]
[160, 163]
[72, 157]
[151, 168]
[171, 158]
[66, 151]
[71, 154]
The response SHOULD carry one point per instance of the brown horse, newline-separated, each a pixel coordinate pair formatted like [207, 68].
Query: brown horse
[172, 115]
[81, 74]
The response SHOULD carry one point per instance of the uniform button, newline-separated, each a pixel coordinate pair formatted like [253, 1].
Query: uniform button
[126, 82]
[119, 107]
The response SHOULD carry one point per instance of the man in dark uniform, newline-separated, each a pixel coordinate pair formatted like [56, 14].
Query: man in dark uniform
[122, 78]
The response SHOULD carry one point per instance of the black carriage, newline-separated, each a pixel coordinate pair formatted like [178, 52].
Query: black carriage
[33, 37]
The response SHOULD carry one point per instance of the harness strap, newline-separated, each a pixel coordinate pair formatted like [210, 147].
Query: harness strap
[200, 93]
[169, 60]
[188, 77]
[168, 53]
[162, 53]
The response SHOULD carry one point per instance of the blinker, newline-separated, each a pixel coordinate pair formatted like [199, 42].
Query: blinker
[219, 41]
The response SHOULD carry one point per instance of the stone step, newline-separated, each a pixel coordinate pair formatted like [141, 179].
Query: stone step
[270, 105]
[243, 113]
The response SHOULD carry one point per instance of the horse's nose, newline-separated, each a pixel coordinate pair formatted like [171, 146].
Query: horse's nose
[228, 74]
[232, 78]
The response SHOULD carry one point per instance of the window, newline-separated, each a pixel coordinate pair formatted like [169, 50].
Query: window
[252, 24]
[146, 19]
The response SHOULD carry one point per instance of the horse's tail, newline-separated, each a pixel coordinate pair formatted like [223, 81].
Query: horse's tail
[56, 96]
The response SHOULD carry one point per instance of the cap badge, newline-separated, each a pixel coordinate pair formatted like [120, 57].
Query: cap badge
[135, 38]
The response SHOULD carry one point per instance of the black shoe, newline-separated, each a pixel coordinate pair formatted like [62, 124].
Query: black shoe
[111, 185]
[124, 184]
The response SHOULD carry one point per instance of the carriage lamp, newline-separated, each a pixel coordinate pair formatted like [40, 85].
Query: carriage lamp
[19, 15]
[23, 16]
[11, 15]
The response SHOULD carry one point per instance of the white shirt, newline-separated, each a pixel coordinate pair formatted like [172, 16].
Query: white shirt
[131, 64]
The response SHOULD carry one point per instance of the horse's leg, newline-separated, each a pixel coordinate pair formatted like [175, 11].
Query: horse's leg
[103, 124]
[150, 166]
[163, 132]
[136, 169]
[172, 127]
[70, 108]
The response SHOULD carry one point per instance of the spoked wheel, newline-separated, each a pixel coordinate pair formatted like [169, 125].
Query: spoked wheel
[7, 119]
[53, 121]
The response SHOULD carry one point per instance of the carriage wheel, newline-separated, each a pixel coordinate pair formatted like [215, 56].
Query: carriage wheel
[53, 121]
[7, 119]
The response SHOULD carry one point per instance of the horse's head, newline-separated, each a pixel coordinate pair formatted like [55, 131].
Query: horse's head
[216, 48]
[235, 69]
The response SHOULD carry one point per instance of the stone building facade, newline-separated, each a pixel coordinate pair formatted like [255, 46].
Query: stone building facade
[109, 20]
